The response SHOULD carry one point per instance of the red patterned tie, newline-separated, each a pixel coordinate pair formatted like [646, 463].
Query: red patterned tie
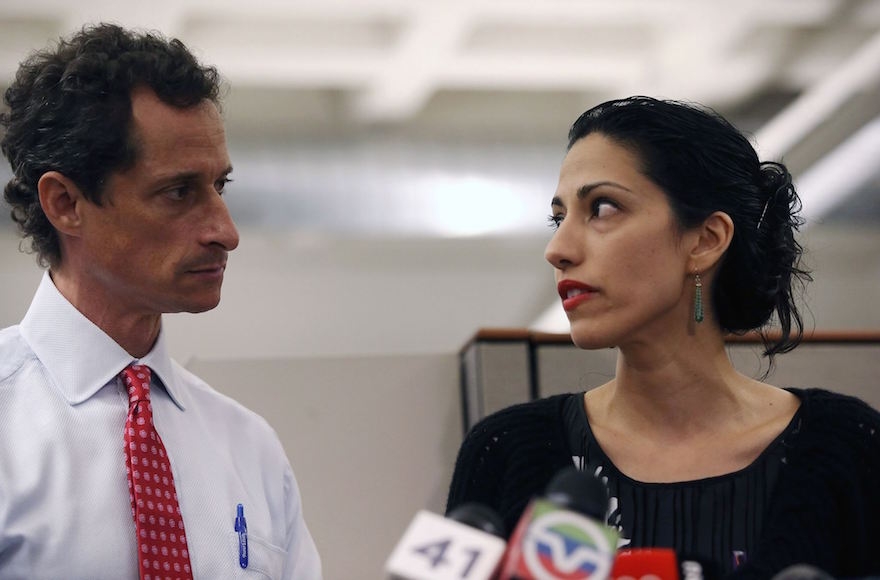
[162, 551]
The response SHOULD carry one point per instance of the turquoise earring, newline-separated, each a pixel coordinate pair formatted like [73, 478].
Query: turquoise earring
[698, 298]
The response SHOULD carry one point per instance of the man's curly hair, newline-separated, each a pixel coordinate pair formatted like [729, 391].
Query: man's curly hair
[69, 110]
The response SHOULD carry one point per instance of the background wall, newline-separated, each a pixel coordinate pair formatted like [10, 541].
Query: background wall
[372, 441]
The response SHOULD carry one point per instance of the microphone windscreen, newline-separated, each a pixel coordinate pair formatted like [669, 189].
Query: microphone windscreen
[802, 572]
[480, 517]
[698, 568]
[579, 491]
[563, 534]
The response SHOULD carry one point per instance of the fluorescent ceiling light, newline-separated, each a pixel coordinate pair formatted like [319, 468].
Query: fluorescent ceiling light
[841, 173]
[471, 205]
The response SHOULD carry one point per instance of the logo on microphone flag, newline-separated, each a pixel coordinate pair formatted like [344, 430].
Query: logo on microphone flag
[564, 545]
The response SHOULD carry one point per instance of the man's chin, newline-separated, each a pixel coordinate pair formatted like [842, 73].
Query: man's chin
[196, 306]
[198, 309]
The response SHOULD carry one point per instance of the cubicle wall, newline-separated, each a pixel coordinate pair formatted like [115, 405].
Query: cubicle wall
[372, 440]
[503, 367]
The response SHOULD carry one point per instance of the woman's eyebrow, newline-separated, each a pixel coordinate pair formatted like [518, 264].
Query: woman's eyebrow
[584, 190]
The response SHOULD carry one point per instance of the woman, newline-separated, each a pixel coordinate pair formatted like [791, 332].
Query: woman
[671, 233]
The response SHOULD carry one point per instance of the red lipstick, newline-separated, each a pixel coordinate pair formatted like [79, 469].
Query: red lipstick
[574, 293]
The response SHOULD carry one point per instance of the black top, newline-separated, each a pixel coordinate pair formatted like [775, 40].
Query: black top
[718, 519]
[814, 495]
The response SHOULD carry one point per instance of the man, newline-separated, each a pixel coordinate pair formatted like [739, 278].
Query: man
[115, 462]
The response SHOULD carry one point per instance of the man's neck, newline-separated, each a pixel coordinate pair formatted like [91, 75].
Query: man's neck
[135, 332]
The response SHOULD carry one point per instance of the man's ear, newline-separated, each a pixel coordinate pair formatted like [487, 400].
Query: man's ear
[62, 202]
[713, 238]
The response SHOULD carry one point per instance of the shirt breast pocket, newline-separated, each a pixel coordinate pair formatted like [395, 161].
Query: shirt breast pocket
[264, 560]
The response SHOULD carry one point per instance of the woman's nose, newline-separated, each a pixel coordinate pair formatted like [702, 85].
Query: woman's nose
[563, 249]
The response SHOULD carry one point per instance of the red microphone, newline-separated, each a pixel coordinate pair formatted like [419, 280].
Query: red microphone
[645, 564]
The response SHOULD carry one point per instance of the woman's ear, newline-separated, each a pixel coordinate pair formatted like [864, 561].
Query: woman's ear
[61, 201]
[713, 238]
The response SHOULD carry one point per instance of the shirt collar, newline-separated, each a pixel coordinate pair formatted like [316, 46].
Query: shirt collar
[79, 357]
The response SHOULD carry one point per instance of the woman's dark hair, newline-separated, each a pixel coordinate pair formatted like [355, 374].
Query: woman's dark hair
[704, 164]
[69, 110]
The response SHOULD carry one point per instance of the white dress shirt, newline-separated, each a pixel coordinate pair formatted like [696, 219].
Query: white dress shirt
[64, 502]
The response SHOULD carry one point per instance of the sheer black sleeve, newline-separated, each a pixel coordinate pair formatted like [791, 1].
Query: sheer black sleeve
[509, 457]
[825, 510]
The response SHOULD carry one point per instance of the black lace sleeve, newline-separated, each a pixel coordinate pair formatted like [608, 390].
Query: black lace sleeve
[509, 457]
[826, 506]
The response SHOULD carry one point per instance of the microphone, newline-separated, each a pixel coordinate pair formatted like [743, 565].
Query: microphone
[661, 564]
[563, 535]
[802, 572]
[648, 564]
[696, 568]
[468, 544]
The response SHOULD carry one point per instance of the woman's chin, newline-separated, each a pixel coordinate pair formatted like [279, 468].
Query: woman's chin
[589, 340]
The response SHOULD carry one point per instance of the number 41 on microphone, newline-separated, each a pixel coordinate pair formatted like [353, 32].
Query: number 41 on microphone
[437, 548]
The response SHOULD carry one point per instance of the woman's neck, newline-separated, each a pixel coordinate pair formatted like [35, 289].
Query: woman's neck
[676, 388]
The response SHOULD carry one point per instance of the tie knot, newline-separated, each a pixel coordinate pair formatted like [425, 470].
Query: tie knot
[137, 381]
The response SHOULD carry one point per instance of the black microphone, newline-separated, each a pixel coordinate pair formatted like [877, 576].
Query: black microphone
[563, 534]
[467, 544]
[698, 568]
[802, 572]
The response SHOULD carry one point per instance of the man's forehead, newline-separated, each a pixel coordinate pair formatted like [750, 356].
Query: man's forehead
[156, 123]
[149, 110]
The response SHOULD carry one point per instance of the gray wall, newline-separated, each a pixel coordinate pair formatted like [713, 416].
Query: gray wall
[372, 440]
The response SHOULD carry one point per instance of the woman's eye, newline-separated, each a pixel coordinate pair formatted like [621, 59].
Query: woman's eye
[603, 207]
[553, 220]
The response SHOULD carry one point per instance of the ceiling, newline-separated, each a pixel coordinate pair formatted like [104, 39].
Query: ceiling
[406, 111]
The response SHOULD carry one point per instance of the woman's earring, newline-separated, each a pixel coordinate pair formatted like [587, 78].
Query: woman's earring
[698, 298]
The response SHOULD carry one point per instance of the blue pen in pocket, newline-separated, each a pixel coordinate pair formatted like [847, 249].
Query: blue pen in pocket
[241, 528]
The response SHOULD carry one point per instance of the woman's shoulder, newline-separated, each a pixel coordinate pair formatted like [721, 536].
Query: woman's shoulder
[843, 425]
[825, 503]
[523, 419]
[509, 456]
[837, 408]
[532, 431]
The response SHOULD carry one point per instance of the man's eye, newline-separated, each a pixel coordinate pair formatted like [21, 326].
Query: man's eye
[221, 184]
[178, 193]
